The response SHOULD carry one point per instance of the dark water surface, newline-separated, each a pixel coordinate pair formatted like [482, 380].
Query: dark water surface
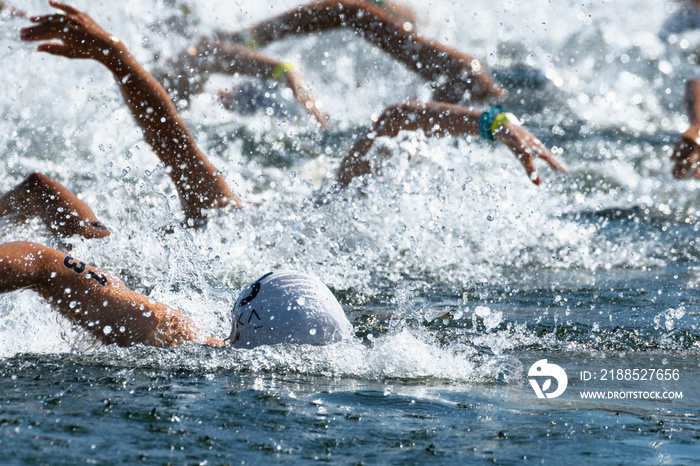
[192, 404]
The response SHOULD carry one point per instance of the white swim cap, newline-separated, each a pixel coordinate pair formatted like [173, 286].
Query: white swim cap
[287, 307]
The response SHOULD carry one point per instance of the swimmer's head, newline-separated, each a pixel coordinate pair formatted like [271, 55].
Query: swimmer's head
[287, 307]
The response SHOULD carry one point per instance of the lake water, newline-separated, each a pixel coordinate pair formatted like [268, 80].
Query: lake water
[457, 273]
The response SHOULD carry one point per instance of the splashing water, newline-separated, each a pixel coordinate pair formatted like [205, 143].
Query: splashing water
[453, 267]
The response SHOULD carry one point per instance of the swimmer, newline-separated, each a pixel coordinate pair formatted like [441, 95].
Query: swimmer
[455, 76]
[279, 307]
[63, 213]
[187, 73]
[452, 73]
[440, 119]
[686, 154]
[199, 185]
[193, 67]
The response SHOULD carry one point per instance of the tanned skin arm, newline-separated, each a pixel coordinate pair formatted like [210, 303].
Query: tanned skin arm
[197, 181]
[439, 119]
[62, 212]
[453, 72]
[93, 300]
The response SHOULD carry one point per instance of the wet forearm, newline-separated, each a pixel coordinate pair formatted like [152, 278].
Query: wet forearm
[436, 119]
[153, 110]
[230, 57]
[196, 179]
[427, 58]
[60, 210]
[89, 298]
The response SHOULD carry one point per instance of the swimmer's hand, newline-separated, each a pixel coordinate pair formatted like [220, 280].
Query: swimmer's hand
[302, 94]
[526, 148]
[199, 184]
[686, 154]
[80, 36]
[306, 98]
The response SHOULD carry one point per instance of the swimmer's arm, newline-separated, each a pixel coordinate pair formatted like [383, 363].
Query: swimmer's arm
[439, 119]
[198, 183]
[93, 300]
[62, 212]
[453, 72]
[229, 58]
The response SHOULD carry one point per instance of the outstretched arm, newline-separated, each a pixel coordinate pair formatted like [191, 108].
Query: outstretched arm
[61, 211]
[197, 181]
[195, 64]
[453, 72]
[439, 119]
[96, 301]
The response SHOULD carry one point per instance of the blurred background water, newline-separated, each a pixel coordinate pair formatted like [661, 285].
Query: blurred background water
[457, 273]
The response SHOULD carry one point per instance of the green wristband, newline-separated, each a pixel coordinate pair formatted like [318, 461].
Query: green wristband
[486, 120]
[281, 69]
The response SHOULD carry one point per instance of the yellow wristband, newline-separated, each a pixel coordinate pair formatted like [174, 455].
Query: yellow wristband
[501, 119]
[498, 121]
[280, 69]
[251, 43]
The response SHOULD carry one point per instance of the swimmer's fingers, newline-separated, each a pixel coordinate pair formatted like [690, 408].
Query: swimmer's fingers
[81, 36]
[322, 118]
[529, 163]
[47, 28]
[47, 32]
[525, 147]
[56, 49]
[63, 7]
[306, 98]
[546, 155]
[75, 44]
